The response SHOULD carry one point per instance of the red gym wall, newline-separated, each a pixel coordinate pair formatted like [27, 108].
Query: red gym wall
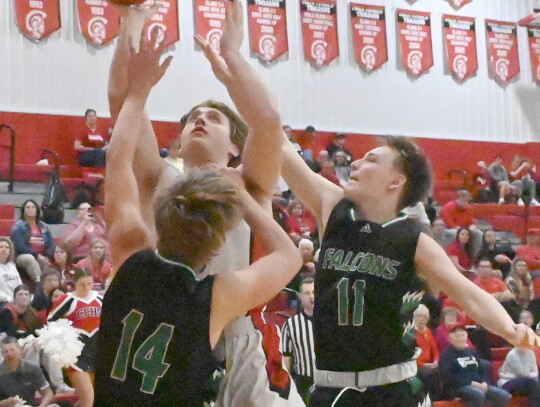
[36, 132]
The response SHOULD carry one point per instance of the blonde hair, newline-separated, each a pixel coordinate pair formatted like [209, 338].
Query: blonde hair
[193, 216]
[11, 251]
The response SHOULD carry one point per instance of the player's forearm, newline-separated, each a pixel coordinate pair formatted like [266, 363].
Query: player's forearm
[118, 74]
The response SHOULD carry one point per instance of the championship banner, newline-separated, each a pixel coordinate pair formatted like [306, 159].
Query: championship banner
[502, 49]
[319, 31]
[268, 28]
[37, 19]
[98, 21]
[210, 20]
[368, 25]
[534, 49]
[166, 22]
[414, 31]
[457, 4]
[460, 44]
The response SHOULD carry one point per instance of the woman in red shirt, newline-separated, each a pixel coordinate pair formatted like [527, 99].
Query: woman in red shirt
[91, 143]
[460, 252]
[95, 262]
[299, 223]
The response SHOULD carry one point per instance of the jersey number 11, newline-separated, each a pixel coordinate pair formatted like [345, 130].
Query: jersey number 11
[359, 287]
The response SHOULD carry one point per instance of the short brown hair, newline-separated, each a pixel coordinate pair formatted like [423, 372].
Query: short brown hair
[414, 165]
[238, 129]
[193, 216]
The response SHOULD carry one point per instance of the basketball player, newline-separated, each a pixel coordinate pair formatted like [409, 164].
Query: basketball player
[215, 135]
[160, 322]
[370, 277]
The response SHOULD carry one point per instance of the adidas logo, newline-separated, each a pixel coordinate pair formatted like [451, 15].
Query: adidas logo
[366, 228]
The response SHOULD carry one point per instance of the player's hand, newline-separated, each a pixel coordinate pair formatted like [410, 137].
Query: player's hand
[219, 66]
[145, 71]
[233, 35]
[523, 337]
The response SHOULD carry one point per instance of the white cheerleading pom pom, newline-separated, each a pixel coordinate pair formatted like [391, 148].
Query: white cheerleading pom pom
[60, 340]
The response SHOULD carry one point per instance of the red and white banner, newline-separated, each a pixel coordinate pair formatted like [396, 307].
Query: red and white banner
[457, 4]
[368, 25]
[460, 44]
[414, 32]
[502, 47]
[98, 21]
[37, 19]
[319, 31]
[268, 28]
[165, 21]
[534, 49]
[210, 20]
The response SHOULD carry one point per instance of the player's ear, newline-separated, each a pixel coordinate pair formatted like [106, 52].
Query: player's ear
[398, 180]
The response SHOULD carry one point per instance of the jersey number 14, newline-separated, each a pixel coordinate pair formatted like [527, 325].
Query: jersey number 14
[148, 358]
[359, 286]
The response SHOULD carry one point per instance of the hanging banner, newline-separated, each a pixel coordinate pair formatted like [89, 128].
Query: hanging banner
[165, 21]
[457, 4]
[98, 21]
[268, 28]
[37, 19]
[368, 25]
[460, 44]
[210, 20]
[534, 49]
[319, 31]
[502, 49]
[414, 32]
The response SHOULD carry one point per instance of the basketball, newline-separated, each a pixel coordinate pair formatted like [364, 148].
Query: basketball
[127, 2]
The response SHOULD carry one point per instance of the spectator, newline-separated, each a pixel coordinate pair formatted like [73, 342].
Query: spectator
[522, 170]
[290, 136]
[450, 316]
[459, 214]
[338, 145]
[520, 283]
[417, 212]
[63, 263]
[440, 234]
[431, 211]
[50, 280]
[32, 240]
[172, 156]
[9, 276]
[482, 184]
[463, 375]
[19, 379]
[299, 224]
[306, 249]
[18, 318]
[297, 341]
[460, 252]
[95, 263]
[342, 168]
[309, 139]
[500, 182]
[519, 375]
[80, 234]
[526, 317]
[428, 361]
[328, 171]
[83, 308]
[91, 142]
[530, 251]
[500, 256]
[492, 285]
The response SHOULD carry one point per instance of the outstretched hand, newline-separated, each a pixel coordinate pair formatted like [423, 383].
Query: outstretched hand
[144, 68]
[524, 337]
[231, 40]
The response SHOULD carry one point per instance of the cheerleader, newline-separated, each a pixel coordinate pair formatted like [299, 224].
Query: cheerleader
[83, 308]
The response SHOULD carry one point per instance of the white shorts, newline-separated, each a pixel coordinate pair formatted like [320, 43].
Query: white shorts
[247, 382]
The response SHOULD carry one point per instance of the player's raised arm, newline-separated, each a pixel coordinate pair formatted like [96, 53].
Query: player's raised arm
[436, 269]
[262, 155]
[150, 165]
[127, 231]
[316, 192]
[238, 291]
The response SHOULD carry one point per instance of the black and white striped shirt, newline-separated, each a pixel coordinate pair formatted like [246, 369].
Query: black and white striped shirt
[297, 341]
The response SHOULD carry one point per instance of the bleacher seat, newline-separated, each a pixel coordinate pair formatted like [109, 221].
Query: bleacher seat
[510, 223]
[500, 353]
[533, 222]
[444, 196]
[7, 211]
[5, 226]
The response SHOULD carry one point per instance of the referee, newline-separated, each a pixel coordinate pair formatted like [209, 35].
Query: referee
[297, 340]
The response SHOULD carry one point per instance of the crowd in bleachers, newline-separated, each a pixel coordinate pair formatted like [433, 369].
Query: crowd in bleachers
[36, 271]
